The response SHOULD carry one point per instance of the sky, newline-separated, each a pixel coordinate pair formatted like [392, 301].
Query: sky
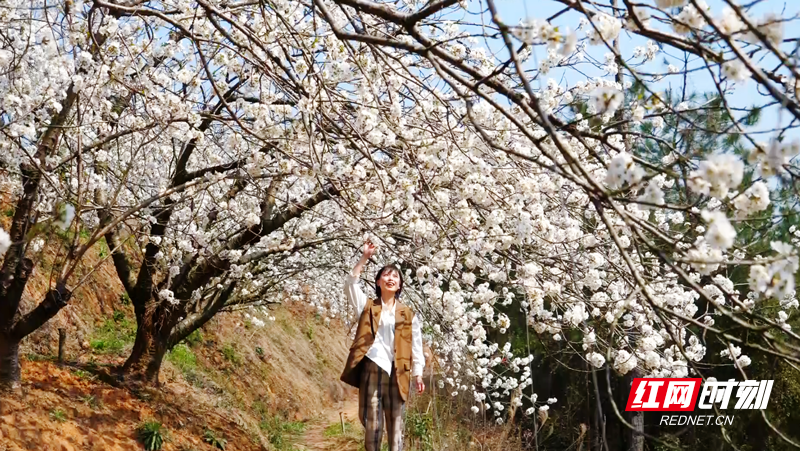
[742, 94]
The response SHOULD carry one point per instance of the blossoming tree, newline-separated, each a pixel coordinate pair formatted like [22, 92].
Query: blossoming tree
[234, 153]
[565, 203]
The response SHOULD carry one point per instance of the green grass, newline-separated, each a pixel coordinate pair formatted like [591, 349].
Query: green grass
[114, 335]
[231, 355]
[335, 430]
[118, 316]
[58, 415]
[282, 433]
[84, 374]
[194, 338]
[32, 357]
[183, 357]
[104, 250]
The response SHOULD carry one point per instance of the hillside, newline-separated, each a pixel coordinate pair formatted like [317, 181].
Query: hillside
[256, 388]
[273, 387]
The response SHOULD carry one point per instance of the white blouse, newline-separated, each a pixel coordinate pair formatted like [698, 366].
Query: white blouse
[382, 350]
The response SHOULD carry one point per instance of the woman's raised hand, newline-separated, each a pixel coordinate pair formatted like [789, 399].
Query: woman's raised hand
[369, 250]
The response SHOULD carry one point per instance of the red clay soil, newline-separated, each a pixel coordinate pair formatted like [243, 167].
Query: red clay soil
[54, 411]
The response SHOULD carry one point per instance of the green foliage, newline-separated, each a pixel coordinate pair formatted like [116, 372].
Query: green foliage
[114, 335]
[124, 299]
[752, 117]
[335, 429]
[118, 316]
[152, 435]
[260, 351]
[84, 374]
[214, 440]
[310, 332]
[183, 357]
[33, 357]
[230, 354]
[194, 338]
[418, 428]
[103, 251]
[58, 415]
[281, 433]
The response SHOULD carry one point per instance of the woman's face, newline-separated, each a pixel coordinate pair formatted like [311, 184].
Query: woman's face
[389, 281]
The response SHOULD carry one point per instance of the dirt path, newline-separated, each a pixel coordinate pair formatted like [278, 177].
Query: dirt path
[314, 437]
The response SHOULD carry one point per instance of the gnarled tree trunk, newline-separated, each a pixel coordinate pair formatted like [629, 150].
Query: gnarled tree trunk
[20, 326]
[158, 331]
[144, 363]
[9, 363]
[16, 269]
[155, 322]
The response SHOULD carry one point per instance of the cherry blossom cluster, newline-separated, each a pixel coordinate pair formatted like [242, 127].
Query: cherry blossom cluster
[250, 149]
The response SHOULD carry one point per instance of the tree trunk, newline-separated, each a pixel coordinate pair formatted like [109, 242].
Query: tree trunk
[158, 330]
[154, 324]
[9, 363]
[149, 349]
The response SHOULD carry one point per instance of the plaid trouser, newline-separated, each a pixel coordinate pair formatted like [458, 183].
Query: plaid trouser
[378, 394]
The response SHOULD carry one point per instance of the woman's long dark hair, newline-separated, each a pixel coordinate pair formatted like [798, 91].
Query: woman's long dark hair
[380, 273]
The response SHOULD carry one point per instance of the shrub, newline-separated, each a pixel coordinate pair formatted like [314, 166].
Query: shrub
[152, 435]
[212, 439]
[418, 428]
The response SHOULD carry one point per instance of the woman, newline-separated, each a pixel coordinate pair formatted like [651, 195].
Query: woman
[388, 340]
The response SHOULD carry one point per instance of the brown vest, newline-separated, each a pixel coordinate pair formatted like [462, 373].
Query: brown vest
[365, 336]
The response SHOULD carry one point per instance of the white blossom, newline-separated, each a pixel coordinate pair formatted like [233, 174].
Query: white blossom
[717, 175]
[735, 70]
[720, 233]
[606, 29]
[606, 100]
[5, 242]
